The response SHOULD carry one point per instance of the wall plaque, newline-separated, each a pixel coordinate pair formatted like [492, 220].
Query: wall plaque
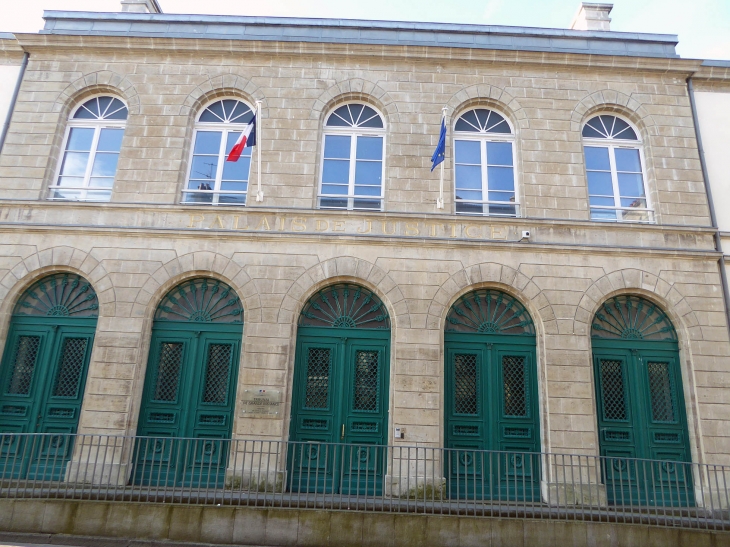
[261, 403]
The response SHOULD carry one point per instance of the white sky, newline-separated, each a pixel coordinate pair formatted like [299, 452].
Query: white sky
[703, 26]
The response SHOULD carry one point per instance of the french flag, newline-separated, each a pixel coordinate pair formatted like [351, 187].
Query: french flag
[247, 138]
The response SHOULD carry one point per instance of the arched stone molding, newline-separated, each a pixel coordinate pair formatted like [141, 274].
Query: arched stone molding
[345, 268]
[491, 97]
[223, 86]
[611, 101]
[473, 277]
[355, 89]
[197, 264]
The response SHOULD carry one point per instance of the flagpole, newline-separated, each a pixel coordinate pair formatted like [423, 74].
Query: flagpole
[259, 125]
[440, 200]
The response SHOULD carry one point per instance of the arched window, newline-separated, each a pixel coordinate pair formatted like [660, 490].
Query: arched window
[91, 151]
[212, 179]
[615, 171]
[484, 153]
[352, 159]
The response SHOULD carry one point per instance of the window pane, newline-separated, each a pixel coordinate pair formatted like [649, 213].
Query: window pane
[101, 182]
[627, 159]
[214, 113]
[334, 189]
[501, 196]
[198, 198]
[469, 195]
[366, 204]
[70, 181]
[603, 214]
[236, 170]
[603, 201]
[630, 185]
[237, 199]
[468, 176]
[367, 191]
[110, 140]
[370, 148]
[204, 167]
[333, 203]
[500, 178]
[468, 122]
[505, 210]
[633, 202]
[468, 152]
[207, 142]
[200, 185]
[80, 138]
[336, 171]
[336, 146]
[231, 142]
[233, 186]
[74, 164]
[368, 172]
[600, 183]
[597, 158]
[470, 208]
[105, 164]
[66, 194]
[499, 153]
[98, 195]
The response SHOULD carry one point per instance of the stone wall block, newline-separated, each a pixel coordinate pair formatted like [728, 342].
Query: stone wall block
[173, 269]
[616, 280]
[363, 269]
[649, 281]
[490, 273]
[329, 268]
[632, 278]
[662, 287]
[45, 258]
[347, 265]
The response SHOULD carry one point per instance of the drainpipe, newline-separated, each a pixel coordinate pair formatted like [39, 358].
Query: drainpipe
[708, 190]
[6, 125]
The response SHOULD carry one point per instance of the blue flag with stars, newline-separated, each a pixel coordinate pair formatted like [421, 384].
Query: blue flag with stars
[440, 152]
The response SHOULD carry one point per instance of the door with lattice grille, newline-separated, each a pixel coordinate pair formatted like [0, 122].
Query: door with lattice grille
[339, 416]
[491, 414]
[186, 415]
[640, 404]
[43, 375]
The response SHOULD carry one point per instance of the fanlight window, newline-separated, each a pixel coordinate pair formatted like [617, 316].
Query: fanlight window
[484, 160]
[212, 180]
[91, 151]
[489, 311]
[59, 295]
[352, 159]
[632, 318]
[615, 172]
[345, 306]
[201, 300]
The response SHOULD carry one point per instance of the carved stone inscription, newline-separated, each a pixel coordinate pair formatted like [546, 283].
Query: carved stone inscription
[261, 403]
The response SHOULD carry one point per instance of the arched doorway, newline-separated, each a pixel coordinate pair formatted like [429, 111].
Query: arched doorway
[640, 403]
[190, 385]
[339, 416]
[43, 374]
[491, 398]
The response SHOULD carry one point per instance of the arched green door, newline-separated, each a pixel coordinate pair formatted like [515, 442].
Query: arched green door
[339, 416]
[640, 403]
[491, 399]
[43, 374]
[190, 385]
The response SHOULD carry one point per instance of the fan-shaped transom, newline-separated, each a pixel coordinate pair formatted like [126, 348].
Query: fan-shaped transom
[489, 311]
[345, 306]
[481, 120]
[632, 318]
[608, 127]
[227, 111]
[59, 295]
[201, 300]
[102, 108]
[355, 116]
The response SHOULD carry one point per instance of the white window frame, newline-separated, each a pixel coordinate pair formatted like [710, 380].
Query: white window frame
[87, 123]
[225, 128]
[483, 139]
[612, 144]
[352, 132]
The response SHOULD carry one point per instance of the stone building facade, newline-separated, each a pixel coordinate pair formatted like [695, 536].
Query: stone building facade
[279, 253]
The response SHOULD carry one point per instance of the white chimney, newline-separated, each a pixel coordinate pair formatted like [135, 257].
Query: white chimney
[141, 6]
[592, 17]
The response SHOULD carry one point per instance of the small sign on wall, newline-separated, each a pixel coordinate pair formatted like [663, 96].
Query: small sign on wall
[261, 403]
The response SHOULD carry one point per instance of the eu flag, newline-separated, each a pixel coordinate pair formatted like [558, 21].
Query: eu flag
[440, 152]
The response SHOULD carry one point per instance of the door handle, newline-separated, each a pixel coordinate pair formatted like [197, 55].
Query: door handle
[342, 435]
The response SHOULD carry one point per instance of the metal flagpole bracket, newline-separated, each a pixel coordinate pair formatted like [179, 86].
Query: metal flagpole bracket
[259, 191]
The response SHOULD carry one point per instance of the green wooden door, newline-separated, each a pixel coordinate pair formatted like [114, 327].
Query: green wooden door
[640, 404]
[186, 414]
[43, 376]
[339, 415]
[492, 423]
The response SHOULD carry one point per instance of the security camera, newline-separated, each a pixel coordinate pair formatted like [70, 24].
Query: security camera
[525, 234]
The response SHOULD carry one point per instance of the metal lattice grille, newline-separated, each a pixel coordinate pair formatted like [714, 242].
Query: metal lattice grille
[26, 352]
[632, 318]
[466, 384]
[365, 397]
[201, 300]
[217, 372]
[514, 380]
[59, 295]
[70, 366]
[661, 393]
[168, 372]
[612, 390]
[319, 361]
[489, 311]
[345, 306]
